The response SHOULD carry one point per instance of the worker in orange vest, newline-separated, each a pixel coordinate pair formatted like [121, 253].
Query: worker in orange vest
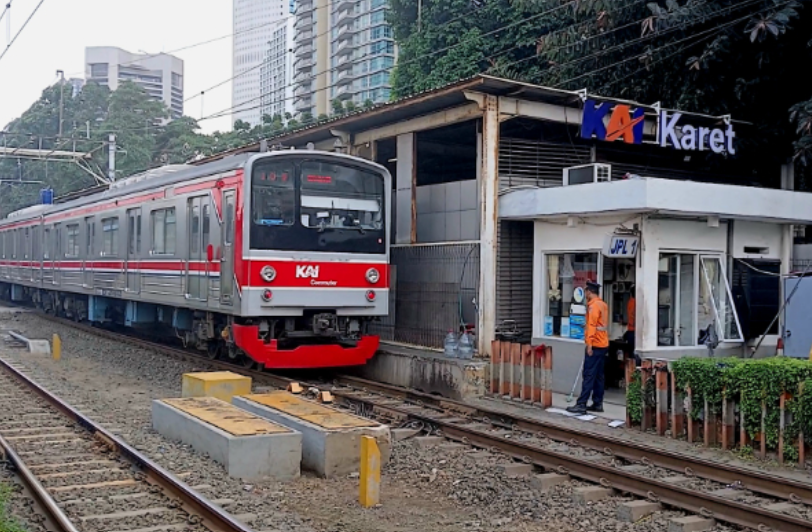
[631, 313]
[596, 340]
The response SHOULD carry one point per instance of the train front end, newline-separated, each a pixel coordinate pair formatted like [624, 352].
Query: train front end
[315, 259]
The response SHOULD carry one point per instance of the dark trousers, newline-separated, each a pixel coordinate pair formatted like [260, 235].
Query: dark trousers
[593, 377]
[629, 337]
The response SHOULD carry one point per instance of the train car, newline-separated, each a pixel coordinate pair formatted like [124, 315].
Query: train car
[277, 259]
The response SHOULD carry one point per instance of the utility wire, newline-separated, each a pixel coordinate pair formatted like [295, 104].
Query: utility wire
[238, 107]
[3, 14]
[21, 29]
[313, 76]
[647, 37]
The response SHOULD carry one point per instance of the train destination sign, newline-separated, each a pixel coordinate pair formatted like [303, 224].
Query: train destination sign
[609, 121]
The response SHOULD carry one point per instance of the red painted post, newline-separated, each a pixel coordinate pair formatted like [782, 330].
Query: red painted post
[527, 374]
[547, 378]
[506, 374]
[518, 369]
[782, 425]
[630, 369]
[691, 422]
[677, 410]
[496, 365]
[661, 380]
[648, 414]
[538, 371]
[728, 423]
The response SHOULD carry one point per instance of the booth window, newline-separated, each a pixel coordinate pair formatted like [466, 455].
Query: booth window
[694, 301]
[565, 273]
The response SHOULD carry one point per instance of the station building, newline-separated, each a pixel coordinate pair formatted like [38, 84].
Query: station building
[509, 196]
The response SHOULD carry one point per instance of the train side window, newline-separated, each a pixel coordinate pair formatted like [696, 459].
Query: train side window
[73, 241]
[58, 241]
[229, 220]
[46, 241]
[90, 228]
[206, 225]
[163, 231]
[109, 235]
[195, 229]
[27, 243]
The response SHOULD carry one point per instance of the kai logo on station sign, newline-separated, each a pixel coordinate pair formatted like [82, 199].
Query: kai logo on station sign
[611, 122]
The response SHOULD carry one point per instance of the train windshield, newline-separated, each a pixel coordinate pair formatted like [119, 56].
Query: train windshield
[317, 205]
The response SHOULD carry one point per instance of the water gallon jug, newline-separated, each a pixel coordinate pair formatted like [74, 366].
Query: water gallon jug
[450, 344]
[465, 347]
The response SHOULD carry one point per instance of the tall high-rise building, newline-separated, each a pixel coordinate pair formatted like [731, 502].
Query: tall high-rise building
[276, 73]
[254, 25]
[344, 51]
[161, 75]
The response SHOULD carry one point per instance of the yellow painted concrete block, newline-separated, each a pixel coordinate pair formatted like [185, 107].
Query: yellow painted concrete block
[370, 489]
[220, 384]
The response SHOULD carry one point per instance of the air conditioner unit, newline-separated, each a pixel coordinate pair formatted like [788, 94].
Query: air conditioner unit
[587, 173]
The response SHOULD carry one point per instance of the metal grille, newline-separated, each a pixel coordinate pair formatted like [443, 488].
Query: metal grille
[514, 267]
[535, 163]
[433, 284]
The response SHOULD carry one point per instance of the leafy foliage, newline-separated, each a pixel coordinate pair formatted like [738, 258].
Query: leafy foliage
[737, 57]
[7, 523]
[753, 384]
[144, 139]
[634, 398]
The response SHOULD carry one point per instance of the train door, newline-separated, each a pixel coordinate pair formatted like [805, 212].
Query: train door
[55, 264]
[90, 252]
[227, 253]
[132, 268]
[36, 254]
[197, 267]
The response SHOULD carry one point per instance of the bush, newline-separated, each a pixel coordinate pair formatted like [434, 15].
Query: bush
[751, 382]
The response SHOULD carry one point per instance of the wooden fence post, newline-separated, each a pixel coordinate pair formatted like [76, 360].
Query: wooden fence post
[547, 377]
[505, 374]
[648, 414]
[496, 366]
[629, 369]
[516, 369]
[763, 436]
[691, 422]
[728, 422]
[677, 410]
[661, 380]
[527, 373]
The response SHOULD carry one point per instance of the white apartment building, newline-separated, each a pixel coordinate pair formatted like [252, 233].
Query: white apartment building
[276, 73]
[161, 75]
[344, 50]
[254, 26]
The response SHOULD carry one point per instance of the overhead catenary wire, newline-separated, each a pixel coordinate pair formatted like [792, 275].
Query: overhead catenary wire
[34, 12]
[240, 107]
[237, 107]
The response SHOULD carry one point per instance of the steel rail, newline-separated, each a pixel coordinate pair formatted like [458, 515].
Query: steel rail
[779, 487]
[46, 502]
[200, 510]
[692, 501]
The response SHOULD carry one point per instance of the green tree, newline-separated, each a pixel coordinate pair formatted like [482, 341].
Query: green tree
[349, 107]
[338, 107]
[712, 56]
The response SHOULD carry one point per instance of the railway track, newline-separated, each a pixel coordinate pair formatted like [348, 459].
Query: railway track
[729, 494]
[85, 479]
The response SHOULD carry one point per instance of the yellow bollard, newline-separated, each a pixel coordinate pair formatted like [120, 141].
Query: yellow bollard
[370, 492]
[57, 347]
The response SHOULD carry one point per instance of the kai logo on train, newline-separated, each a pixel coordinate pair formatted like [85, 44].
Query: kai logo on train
[304, 271]
[611, 122]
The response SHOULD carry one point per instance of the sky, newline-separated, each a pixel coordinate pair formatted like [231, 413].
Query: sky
[56, 37]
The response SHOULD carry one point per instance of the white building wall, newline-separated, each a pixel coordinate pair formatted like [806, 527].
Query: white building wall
[253, 29]
[277, 71]
[161, 75]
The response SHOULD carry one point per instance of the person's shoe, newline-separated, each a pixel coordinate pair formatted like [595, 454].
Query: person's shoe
[594, 408]
[577, 409]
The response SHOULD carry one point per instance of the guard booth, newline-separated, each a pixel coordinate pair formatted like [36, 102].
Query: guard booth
[702, 260]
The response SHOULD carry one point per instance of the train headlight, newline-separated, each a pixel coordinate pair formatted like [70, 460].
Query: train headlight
[268, 273]
[373, 275]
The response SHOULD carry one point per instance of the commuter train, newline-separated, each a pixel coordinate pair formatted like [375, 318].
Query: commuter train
[276, 259]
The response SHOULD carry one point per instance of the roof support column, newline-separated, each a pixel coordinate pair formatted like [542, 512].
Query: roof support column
[489, 212]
